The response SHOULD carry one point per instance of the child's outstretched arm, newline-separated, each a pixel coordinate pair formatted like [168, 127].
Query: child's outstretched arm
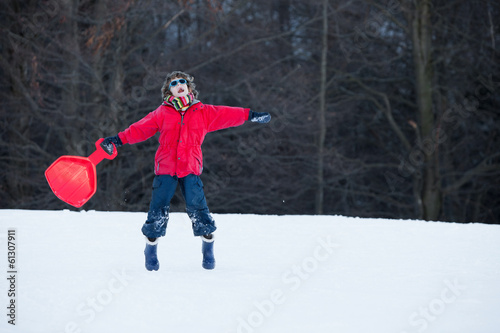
[137, 132]
[220, 117]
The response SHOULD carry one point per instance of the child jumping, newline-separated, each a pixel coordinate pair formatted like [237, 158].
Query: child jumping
[183, 121]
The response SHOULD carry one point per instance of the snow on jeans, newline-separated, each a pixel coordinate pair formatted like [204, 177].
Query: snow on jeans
[164, 187]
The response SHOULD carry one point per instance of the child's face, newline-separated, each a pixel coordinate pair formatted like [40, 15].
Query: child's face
[180, 89]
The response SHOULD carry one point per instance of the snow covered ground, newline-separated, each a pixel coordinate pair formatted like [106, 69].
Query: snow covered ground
[84, 272]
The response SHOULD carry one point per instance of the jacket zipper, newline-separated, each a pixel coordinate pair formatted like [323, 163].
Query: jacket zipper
[179, 141]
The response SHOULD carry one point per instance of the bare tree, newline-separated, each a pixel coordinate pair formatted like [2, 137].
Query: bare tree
[380, 108]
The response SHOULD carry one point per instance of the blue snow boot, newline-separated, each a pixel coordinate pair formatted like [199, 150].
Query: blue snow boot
[207, 249]
[152, 263]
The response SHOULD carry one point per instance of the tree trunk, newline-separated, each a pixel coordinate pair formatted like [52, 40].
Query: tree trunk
[430, 196]
[322, 112]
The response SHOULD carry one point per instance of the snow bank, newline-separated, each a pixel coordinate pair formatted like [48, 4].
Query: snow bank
[84, 272]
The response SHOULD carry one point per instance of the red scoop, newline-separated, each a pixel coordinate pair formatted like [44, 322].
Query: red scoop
[73, 179]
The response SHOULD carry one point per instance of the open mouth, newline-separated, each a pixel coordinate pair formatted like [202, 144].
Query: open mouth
[180, 91]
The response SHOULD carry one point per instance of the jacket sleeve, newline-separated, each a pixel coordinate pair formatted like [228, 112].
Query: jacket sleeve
[219, 117]
[141, 130]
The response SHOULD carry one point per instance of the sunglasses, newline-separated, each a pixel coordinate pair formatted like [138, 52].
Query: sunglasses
[174, 82]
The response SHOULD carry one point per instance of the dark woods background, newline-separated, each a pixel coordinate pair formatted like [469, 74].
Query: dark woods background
[380, 108]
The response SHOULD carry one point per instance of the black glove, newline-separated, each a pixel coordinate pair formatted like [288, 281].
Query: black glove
[259, 117]
[107, 144]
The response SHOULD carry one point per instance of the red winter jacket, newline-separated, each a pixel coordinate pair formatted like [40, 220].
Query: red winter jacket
[181, 137]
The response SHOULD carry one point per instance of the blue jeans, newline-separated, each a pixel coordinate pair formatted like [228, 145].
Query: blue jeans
[164, 187]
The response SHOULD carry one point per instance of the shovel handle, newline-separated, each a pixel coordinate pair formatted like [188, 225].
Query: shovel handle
[101, 153]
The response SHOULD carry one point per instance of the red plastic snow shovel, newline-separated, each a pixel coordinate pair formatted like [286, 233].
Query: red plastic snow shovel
[73, 179]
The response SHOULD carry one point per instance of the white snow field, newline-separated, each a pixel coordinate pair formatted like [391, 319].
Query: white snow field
[84, 272]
